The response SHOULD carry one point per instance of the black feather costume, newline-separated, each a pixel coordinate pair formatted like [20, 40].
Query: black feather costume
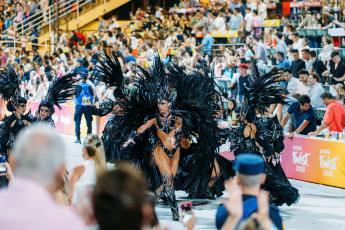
[60, 90]
[192, 100]
[11, 125]
[262, 92]
[109, 71]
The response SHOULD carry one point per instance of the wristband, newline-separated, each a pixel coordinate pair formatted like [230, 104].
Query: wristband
[294, 133]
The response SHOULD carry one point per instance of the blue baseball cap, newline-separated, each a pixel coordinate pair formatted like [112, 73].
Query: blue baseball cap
[249, 164]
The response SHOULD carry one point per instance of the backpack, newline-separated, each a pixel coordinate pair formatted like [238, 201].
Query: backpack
[85, 97]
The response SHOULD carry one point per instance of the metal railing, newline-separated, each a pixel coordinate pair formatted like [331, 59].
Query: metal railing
[49, 16]
[17, 40]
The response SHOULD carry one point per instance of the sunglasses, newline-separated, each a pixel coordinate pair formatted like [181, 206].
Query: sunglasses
[44, 111]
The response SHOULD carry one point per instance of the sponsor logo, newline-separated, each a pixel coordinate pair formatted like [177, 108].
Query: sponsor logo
[300, 159]
[327, 163]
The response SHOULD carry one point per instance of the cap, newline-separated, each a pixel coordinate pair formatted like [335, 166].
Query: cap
[93, 60]
[249, 164]
[80, 60]
[243, 66]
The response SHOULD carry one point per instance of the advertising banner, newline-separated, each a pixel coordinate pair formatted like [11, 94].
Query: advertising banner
[314, 160]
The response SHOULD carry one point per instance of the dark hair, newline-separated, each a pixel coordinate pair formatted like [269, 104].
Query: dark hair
[334, 53]
[312, 53]
[237, 9]
[315, 76]
[215, 14]
[10, 107]
[304, 99]
[288, 70]
[306, 50]
[129, 49]
[235, 105]
[280, 35]
[256, 12]
[279, 53]
[256, 38]
[326, 95]
[118, 197]
[293, 50]
[303, 71]
[295, 34]
[230, 11]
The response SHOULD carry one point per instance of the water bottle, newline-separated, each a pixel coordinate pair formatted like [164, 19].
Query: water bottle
[327, 134]
[342, 135]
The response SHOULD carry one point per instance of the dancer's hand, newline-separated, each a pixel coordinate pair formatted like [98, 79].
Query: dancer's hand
[277, 155]
[128, 142]
[312, 134]
[262, 214]
[290, 135]
[234, 205]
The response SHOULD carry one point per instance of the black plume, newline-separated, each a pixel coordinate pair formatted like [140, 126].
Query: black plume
[9, 86]
[109, 71]
[60, 90]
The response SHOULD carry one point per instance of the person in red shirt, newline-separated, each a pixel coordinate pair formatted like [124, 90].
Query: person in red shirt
[334, 118]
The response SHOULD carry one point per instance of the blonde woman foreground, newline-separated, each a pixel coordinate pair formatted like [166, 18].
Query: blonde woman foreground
[85, 175]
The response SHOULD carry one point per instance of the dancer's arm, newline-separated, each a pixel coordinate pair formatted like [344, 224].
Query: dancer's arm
[141, 129]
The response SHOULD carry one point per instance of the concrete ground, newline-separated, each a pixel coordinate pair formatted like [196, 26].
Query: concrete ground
[320, 207]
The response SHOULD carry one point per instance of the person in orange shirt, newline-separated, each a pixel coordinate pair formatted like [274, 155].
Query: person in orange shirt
[334, 118]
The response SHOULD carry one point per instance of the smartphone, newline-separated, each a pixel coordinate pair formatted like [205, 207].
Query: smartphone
[186, 211]
[3, 168]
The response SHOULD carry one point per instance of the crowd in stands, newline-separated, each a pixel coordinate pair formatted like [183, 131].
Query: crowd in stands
[186, 39]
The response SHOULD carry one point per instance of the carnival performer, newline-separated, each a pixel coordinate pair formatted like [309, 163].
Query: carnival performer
[109, 71]
[159, 119]
[263, 134]
[13, 124]
[60, 90]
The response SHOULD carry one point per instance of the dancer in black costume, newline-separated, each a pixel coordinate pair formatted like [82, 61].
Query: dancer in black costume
[266, 135]
[155, 134]
[13, 124]
[60, 90]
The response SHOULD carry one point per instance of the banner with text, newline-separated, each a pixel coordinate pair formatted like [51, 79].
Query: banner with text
[315, 160]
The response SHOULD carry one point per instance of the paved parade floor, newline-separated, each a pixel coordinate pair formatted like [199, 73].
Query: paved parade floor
[320, 207]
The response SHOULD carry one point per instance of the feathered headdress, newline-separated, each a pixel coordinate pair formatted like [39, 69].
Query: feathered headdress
[262, 91]
[60, 90]
[9, 88]
[157, 78]
[109, 71]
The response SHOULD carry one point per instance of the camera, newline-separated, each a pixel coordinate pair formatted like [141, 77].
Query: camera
[3, 168]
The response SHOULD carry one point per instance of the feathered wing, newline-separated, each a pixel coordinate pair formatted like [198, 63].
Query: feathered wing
[61, 89]
[195, 102]
[9, 86]
[109, 70]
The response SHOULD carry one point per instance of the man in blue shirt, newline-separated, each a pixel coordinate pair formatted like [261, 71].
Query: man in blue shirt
[234, 24]
[250, 175]
[283, 63]
[304, 116]
[80, 69]
[206, 42]
[129, 56]
[281, 45]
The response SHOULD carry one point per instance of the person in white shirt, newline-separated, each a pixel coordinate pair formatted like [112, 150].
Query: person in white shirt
[262, 10]
[292, 82]
[219, 22]
[297, 42]
[248, 21]
[307, 59]
[316, 90]
[303, 88]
